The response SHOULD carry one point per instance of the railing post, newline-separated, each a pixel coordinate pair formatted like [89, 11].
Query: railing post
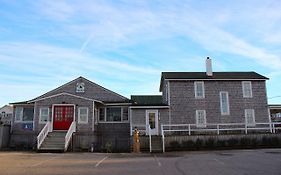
[149, 132]
[163, 138]
[270, 127]
[218, 129]
[189, 132]
[246, 128]
[273, 126]
[131, 130]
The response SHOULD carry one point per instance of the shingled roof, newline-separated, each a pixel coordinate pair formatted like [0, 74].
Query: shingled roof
[147, 100]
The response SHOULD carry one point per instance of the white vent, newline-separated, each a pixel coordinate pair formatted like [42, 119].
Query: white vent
[209, 71]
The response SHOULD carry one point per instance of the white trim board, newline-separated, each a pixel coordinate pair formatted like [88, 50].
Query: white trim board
[215, 79]
[146, 107]
[65, 93]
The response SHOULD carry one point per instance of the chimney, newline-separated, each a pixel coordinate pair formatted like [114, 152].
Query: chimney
[209, 71]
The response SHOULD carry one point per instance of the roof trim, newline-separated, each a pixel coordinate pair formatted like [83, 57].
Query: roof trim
[64, 93]
[145, 107]
[184, 79]
[117, 104]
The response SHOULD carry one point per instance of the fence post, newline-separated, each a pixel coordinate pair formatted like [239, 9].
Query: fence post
[246, 128]
[218, 129]
[270, 127]
[189, 132]
[163, 138]
[273, 126]
[149, 132]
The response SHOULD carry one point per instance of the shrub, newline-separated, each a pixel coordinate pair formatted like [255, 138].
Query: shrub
[108, 147]
[198, 144]
[175, 145]
[245, 142]
[232, 142]
[221, 143]
[188, 144]
[210, 143]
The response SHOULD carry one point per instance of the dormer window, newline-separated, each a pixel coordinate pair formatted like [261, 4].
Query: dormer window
[80, 87]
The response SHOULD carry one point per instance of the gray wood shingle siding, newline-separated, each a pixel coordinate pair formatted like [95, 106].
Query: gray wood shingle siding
[183, 104]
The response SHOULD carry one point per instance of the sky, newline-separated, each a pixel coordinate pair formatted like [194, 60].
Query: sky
[124, 45]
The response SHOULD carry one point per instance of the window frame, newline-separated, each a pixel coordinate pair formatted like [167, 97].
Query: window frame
[40, 115]
[196, 83]
[245, 95]
[105, 115]
[253, 116]
[201, 125]
[227, 102]
[21, 115]
[79, 115]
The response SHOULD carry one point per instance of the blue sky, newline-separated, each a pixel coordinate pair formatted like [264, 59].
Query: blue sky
[124, 45]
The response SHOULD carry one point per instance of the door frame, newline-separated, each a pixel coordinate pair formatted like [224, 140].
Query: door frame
[53, 109]
[156, 120]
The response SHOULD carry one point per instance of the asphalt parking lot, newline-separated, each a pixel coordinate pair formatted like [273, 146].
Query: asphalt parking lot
[240, 162]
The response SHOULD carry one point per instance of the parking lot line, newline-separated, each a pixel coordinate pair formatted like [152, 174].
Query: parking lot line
[101, 161]
[40, 163]
[158, 162]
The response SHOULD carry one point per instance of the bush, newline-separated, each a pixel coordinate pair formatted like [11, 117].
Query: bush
[188, 144]
[221, 143]
[232, 142]
[245, 142]
[210, 143]
[199, 144]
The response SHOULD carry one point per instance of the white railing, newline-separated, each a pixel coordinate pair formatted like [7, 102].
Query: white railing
[68, 135]
[218, 128]
[143, 130]
[43, 134]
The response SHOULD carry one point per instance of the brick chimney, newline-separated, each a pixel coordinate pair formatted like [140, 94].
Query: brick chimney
[209, 71]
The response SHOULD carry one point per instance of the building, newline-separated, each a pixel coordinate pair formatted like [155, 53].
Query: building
[6, 113]
[86, 116]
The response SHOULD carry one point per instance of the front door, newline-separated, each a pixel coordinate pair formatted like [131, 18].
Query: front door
[152, 120]
[63, 117]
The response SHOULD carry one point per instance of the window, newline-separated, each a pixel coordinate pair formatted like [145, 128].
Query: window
[199, 89]
[224, 103]
[102, 114]
[247, 89]
[44, 115]
[82, 115]
[201, 118]
[166, 92]
[24, 114]
[125, 114]
[113, 114]
[250, 117]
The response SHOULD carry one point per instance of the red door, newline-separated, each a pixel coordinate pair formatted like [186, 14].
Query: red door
[63, 117]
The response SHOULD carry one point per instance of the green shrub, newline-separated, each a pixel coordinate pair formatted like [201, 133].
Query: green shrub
[188, 144]
[199, 144]
[210, 143]
[232, 142]
[108, 147]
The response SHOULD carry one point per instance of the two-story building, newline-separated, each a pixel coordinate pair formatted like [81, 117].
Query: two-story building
[86, 115]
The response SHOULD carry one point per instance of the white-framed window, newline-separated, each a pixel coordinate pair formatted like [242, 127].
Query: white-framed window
[83, 114]
[113, 114]
[224, 103]
[43, 115]
[247, 89]
[201, 118]
[24, 114]
[199, 89]
[250, 117]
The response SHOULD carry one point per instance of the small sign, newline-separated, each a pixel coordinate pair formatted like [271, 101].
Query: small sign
[27, 126]
[80, 87]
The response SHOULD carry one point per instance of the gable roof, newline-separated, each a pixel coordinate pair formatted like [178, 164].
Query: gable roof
[216, 76]
[147, 100]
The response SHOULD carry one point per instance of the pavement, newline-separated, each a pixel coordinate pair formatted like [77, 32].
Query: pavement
[230, 162]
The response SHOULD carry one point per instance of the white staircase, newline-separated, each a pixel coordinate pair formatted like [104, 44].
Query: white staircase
[54, 141]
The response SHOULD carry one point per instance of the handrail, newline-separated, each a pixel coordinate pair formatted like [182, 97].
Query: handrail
[68, 135]
[43, 134]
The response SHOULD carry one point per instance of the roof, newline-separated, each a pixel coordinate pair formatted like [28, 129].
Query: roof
[216, 76]
[147, 100]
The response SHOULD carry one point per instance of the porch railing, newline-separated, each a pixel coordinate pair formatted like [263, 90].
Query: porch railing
[43, 134]
[217, 128]
[69, 134]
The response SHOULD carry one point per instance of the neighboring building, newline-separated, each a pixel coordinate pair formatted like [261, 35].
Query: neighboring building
[99, 118]
[275, 112]
[6, 113]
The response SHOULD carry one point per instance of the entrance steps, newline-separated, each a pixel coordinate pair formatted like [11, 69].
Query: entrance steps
[54, 142]
[156, 144]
